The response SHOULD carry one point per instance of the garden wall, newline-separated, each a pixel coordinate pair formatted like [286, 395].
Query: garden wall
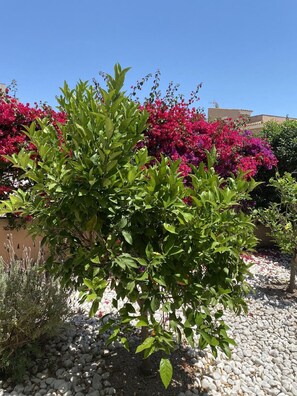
[20, 240]
[262, 233]
[23, 243]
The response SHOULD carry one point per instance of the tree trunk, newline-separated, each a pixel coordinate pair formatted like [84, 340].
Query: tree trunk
[291, 286]
[146, 367]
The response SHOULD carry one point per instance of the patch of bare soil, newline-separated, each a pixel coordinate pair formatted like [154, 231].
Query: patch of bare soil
[127, 379]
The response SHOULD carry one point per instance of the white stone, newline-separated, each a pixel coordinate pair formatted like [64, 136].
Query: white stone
[216, 375]
[207, 383]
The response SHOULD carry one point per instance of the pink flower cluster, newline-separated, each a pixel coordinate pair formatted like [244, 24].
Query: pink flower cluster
[181, 133]
[14, 116]
[175, 130]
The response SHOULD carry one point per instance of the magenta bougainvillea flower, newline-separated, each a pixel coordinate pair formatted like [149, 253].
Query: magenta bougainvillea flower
[175, 130]
[14, 116]
[182, 133]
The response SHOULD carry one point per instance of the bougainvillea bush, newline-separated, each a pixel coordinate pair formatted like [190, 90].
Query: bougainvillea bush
[179, 130]
[174, 129]
[181, 133]
[113, 219]
[14, 116]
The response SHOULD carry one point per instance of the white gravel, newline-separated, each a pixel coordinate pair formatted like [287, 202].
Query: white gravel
[263, 363]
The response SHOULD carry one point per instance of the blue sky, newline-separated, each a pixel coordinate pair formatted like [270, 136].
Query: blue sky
[244, 51]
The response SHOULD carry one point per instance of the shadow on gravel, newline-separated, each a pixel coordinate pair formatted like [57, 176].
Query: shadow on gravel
[267, 286]
[279, 291]
[274, 293]
[125, 375]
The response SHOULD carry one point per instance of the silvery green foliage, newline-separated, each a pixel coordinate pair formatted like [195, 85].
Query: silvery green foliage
[32, 306]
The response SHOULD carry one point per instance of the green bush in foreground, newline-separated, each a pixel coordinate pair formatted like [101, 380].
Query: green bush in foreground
[281, 218]
[32, 306]
[112, 215]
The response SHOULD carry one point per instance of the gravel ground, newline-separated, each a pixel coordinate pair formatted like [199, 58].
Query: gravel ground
[264, 362]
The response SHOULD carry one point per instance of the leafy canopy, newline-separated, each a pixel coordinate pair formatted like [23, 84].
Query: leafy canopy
[112, 219]
[283, 140]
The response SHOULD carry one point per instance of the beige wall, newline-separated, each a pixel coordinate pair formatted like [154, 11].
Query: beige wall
[2, 87]
[21, 241]
[254, 123]
[218, 113]
[265, 118]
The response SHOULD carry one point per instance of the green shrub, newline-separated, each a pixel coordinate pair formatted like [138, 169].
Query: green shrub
[32, 306]
[115, 219]
[281, 218]
[283, 140]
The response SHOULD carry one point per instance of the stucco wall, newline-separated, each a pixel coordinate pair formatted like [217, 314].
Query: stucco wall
[21, 241]
[218, 113]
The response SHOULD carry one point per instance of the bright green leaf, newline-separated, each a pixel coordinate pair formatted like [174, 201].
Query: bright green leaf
[170, 228]
[166, 372]
[147, 343]
[127, 236]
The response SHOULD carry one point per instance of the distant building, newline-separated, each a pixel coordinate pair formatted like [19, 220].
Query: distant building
[2, 87]
[221, 114]
[253, 123]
